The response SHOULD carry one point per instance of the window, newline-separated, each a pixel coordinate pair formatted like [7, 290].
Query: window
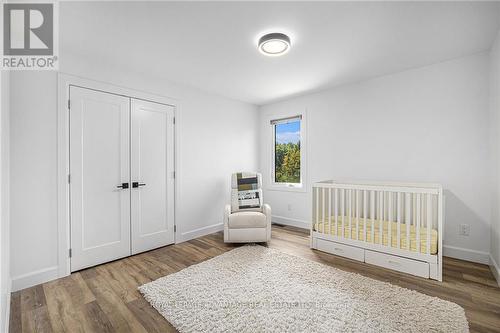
[287, 159]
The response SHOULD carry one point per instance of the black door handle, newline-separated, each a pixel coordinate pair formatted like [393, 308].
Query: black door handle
[123, 186]
[137, 184]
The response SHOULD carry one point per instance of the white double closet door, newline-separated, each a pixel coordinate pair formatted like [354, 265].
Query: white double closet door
[121, 176]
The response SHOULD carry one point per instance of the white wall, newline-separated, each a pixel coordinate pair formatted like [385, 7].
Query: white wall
[5, 282]
[33, 174]
[217, 137]
[495, 150]
[428, 124]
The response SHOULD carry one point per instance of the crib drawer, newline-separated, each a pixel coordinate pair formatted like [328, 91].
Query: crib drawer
[396, 263]
[341, 250]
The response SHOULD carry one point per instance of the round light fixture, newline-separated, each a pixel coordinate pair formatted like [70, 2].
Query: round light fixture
[274, 44]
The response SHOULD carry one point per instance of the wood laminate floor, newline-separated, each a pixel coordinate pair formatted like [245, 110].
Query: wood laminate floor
[105, 298]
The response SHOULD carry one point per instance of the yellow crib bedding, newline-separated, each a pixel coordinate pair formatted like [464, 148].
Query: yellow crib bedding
[323, 228]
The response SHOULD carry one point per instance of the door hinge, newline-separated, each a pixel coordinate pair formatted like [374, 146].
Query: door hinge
[69, 104]
[69, 179]
[173, 174]
[175, 228]
[70, 253]
[173, 120]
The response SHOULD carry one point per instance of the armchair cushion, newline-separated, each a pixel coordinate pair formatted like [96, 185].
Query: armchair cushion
[243, 220]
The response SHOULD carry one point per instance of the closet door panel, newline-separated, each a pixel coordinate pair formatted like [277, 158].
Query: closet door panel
[99, 163]
[152, 165]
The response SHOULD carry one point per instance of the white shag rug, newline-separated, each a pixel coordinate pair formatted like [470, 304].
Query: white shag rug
[257, 289]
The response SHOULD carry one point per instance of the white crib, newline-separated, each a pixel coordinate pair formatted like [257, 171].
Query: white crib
[394, 225]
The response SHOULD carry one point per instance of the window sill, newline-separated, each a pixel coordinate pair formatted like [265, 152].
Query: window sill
[287, 188]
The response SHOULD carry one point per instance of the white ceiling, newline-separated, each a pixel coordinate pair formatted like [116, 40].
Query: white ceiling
[212, 46]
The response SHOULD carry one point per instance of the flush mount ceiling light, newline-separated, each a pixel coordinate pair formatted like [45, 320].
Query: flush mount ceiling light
[274, 44]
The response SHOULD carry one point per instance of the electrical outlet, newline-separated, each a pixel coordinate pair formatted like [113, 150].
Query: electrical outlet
[289, 207]
[464, 230]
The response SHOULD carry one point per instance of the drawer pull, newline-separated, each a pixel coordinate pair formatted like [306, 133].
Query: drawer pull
[392, 262]
[341, 250]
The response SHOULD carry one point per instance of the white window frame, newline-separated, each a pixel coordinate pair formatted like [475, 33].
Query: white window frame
[272, 184]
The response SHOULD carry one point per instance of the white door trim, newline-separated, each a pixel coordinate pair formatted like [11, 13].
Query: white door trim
[63, 221]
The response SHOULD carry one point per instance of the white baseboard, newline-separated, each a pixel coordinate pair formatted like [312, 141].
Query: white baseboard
[466, 254]
[291, 222]
[33, 278]
[495, 269]
[7, 312]
[185, 236]
[6, 320]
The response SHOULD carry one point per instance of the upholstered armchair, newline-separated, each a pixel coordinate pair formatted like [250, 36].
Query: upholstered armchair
[247, 219]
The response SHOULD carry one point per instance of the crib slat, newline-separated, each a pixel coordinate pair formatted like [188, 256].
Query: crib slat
[342, 207]
[389, 224]
[330, 211]
[398, 201]
[353, 195]
[429, 223]
[381, 218]
[316, 193]
[323, 207]
[336, 208]
[364, 215]
[350, 214]
[357, 214]
[418, 222]
[408, 219]
[372, 214]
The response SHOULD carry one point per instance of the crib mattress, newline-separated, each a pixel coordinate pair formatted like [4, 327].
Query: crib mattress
[323, 228]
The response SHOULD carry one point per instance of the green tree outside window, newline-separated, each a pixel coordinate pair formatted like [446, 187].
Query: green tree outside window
[287, 153]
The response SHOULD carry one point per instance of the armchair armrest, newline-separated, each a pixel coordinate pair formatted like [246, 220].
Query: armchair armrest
[227, 212]
[266, 209]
